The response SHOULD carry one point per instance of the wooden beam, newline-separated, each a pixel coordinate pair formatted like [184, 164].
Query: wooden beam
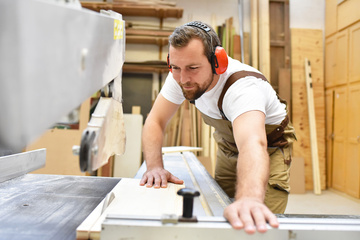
[312, 125]
[254, 34]
[264, 38]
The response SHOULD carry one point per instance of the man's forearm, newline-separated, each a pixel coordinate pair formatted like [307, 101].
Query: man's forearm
[252, 174]
[152, 139]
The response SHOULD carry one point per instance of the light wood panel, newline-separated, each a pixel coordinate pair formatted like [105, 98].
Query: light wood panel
[129, 198]
[308, 43]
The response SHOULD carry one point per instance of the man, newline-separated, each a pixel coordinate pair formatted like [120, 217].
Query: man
[251, 123]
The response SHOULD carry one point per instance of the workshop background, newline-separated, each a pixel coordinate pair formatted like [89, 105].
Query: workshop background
[274, 36]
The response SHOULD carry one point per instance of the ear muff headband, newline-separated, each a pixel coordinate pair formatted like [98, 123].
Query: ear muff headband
[218, 60]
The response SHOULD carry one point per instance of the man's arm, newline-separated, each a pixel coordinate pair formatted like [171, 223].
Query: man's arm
[152, 140]
[248, 211]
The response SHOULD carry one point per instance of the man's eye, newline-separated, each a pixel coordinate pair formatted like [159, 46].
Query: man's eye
[193, 68]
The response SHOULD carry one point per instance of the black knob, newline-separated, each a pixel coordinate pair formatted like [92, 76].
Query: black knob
[188, 201]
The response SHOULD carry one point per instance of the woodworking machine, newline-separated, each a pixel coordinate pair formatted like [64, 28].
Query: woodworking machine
[54, 55]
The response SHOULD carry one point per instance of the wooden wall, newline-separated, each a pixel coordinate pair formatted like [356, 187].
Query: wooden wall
[308, 43]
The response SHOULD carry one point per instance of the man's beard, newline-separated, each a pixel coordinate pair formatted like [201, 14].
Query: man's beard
[197, 92]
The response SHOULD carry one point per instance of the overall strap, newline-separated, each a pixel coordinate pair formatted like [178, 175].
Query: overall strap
[233, 78]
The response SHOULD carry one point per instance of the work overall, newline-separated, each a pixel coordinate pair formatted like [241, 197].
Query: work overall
[280, 138]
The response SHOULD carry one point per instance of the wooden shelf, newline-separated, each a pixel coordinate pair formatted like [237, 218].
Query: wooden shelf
[157, 67]
[127, 9]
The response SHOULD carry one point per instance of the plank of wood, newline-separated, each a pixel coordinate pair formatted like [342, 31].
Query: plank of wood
[237, 47]
[136, 110]
[246, 48]
[194, 136]
[285, 87]
[264, 38]
[107, 120]
[308, 43]
[297, 173]
[128, 164]
[180, 149]
[132, 199]
[312, 125]
[254, 33]
[147, 32]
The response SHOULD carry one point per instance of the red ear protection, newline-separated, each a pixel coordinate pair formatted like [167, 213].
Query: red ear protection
[168, 63]
[219, 60]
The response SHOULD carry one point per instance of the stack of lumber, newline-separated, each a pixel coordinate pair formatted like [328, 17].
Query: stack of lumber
[160, 9]
[187, 128]
[231, 41]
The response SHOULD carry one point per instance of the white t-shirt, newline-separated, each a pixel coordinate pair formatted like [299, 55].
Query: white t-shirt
[248, 94]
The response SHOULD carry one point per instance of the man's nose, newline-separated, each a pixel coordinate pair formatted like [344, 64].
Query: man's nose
[184, 77]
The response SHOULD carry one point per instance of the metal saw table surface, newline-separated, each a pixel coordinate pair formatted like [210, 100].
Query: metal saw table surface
[35, 206]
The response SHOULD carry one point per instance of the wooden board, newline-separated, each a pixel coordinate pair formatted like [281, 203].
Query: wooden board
[180, 149]
[312, 126]
[128, 164]
[308, 43]
[132, 199]
[254, 34]
[297, 176]
[264, 38]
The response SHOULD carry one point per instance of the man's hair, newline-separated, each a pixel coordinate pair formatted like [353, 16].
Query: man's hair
[183, 34]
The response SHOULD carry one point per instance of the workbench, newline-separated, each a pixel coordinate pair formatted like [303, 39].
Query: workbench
[37, 206]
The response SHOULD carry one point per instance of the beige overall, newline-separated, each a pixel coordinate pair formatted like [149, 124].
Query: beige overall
[280, 138]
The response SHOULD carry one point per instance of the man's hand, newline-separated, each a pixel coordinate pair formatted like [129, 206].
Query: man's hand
[159, 177]
[250, 214]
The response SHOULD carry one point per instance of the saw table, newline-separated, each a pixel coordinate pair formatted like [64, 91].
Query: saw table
[141, 217]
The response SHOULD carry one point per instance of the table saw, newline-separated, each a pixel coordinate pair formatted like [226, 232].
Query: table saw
[47, 46]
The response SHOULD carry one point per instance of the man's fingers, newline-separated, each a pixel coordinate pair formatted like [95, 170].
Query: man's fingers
[232, 216]
[159, 178]
[249, 225]
[272, 219]
[163, 181]
[150, 181]
[143, 180]
[259, 218]
[175, 180]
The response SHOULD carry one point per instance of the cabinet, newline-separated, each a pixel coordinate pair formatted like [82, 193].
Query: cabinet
[336, 62]
[342, 83]
[339, 157]
[353, 144]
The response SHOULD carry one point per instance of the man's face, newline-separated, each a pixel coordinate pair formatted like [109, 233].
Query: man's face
[191, 69]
